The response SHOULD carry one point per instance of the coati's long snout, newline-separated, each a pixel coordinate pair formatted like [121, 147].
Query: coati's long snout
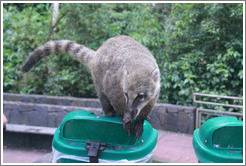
[77, 51]
[141, 90]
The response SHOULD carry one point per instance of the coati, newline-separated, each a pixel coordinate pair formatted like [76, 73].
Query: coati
[125, 74]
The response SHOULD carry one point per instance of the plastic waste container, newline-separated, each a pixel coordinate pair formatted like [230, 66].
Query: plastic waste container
[219, 140]
[84, 137]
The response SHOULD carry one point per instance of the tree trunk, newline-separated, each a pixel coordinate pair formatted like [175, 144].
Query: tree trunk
[54, 18]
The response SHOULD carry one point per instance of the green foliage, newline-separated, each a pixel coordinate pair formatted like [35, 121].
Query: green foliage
[204, 51]
[22, 32]
[198, 47]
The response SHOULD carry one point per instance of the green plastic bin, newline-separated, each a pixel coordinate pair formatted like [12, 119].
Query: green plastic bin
[219, 140]
[81, 130]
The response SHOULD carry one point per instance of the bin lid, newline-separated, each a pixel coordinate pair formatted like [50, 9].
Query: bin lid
[78, 127]
[219, 140]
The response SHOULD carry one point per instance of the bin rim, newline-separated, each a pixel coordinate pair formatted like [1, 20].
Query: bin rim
[140, 149]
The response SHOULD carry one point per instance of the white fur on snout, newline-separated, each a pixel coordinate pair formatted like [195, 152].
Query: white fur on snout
[138, 111]
[140, 107]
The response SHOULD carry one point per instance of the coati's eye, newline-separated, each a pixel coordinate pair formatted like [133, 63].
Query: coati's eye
[141, 96]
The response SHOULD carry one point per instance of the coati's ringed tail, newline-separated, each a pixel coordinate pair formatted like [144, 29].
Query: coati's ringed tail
[77, 51]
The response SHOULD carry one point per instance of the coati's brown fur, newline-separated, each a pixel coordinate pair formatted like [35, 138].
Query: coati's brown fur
[125, 74]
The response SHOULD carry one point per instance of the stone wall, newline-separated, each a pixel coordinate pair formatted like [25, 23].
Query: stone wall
[40, 110]
[173, 118]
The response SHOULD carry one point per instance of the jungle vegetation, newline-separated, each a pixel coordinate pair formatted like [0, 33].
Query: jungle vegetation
[198, 47]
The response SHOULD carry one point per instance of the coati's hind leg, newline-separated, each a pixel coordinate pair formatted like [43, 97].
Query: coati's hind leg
[106, 106]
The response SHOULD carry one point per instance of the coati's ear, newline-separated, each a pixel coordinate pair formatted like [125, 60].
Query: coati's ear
[155, 74]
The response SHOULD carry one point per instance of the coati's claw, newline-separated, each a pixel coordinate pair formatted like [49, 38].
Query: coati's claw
[138, 130]
[128, 127]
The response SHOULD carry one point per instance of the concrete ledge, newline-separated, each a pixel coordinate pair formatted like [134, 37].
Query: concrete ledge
[30, 129]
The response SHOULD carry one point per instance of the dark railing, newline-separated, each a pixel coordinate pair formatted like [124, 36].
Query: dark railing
[215, 113]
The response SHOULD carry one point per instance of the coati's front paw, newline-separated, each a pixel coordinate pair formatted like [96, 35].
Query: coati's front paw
[138, 129]
[128, 127]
